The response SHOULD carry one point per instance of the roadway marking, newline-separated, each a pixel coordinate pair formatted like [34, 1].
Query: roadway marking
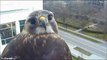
[91, 43]
[94, 49]
[81, 43]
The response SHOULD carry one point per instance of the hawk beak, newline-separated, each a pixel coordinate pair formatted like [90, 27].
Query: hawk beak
[42, 21]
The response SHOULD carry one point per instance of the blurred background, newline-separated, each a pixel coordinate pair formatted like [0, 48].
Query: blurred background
[82, 24]
[86, 16]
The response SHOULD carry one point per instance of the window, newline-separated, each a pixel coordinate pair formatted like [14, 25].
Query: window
[7, 32]
[22, 22]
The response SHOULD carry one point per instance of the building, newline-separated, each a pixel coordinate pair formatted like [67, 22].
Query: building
[12, 17]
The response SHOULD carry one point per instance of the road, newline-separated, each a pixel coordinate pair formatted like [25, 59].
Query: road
[87, 45]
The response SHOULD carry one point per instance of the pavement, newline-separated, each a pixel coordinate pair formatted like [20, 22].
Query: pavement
[94, 48]
[89, 26]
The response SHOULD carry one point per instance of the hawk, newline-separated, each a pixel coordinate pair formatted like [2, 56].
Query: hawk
[38, 40]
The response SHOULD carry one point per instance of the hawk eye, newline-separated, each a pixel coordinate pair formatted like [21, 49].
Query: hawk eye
[32, 20]
[50, 17]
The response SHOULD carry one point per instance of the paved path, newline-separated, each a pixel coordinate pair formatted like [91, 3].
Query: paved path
[92, 47]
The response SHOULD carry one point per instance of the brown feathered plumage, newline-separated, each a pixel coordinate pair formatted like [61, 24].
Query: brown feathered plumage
[37, 47]
[38, 41]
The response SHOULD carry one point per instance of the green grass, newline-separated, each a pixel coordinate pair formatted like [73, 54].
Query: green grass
[75, 58]
[90, 39]
[70, 21]
[75, 24]
[97, 35]
[59, 24]
[82, 51]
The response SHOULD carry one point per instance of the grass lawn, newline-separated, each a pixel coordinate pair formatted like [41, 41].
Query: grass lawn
[75, 58]
[59, 24]
[97, 35]
[82, 51]
[75, 23]
[90, 39]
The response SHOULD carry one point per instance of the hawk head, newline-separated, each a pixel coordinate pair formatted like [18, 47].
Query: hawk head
[41, 21]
